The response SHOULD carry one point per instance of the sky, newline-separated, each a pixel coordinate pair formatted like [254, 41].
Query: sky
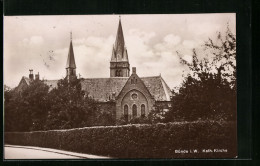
[41, 43]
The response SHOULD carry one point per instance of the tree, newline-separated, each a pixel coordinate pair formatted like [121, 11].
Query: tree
[157, 114]
[27, 110]
[209, 91]
[39, 108]
[70, 106]
[36, 98]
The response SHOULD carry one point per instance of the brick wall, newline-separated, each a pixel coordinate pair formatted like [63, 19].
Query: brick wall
[138, 86]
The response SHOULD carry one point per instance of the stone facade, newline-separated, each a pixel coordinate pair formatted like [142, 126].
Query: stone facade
[119, 69]
[132, 97]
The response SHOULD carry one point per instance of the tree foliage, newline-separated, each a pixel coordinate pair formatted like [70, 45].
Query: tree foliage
[209, 91]
[64, 107]
[26, 111]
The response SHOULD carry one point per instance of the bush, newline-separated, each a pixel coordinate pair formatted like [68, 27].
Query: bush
[140, 120]
[137, 141]
[208, 91]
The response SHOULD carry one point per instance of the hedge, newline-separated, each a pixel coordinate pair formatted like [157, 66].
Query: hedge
[138, 141]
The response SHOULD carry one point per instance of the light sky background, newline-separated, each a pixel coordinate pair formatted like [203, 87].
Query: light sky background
[151, 41]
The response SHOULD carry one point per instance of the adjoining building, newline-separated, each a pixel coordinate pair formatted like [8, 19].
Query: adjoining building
[127, 94]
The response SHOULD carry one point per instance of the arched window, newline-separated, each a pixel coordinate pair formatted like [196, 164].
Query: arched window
[118, 73]
[142, 110]
[126, 112]
[134, 110]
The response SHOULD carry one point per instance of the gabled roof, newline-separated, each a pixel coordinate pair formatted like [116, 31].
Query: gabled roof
[71, 60]
[24, 82]
[102, 89]
[27, 80]
[158, 88]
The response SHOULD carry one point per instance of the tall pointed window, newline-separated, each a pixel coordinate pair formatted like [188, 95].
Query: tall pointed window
[134, 110]
[142, 110]
[126, 112]
[119, 73]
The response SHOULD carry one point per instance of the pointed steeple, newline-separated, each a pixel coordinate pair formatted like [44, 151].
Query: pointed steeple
[119, 52]
[71, 60]
[120, 42]
[71, 65]
[119, 64]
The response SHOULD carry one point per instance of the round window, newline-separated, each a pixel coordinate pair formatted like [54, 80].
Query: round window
[134, 96]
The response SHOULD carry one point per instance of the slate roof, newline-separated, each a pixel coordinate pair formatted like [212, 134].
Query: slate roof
[51, 83]
[102, 89]
[27, 80]
[157, 87]
[21, 85]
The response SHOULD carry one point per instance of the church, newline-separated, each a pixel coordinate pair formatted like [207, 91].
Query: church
[127, 94]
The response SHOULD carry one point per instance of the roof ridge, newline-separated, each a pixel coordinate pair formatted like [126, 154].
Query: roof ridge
[106, 78]
[150, 77]
[52, 80]
[165, 88]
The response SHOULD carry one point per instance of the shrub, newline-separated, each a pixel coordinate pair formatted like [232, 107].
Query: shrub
[137, 141]
[140, 120]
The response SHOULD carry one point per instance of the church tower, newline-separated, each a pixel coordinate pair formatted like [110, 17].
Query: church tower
[119, 64]
[71, 65]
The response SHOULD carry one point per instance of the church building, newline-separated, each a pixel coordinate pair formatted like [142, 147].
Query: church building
[129, 94]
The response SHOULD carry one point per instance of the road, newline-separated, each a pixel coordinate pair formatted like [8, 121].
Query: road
[29, 152]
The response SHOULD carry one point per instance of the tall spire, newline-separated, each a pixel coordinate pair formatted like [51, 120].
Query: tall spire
[119, 52]
[71, 65]
[120, 42]
[119, 65]
[71, 60]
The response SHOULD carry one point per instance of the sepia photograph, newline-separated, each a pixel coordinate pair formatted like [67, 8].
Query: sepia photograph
[130, 86]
